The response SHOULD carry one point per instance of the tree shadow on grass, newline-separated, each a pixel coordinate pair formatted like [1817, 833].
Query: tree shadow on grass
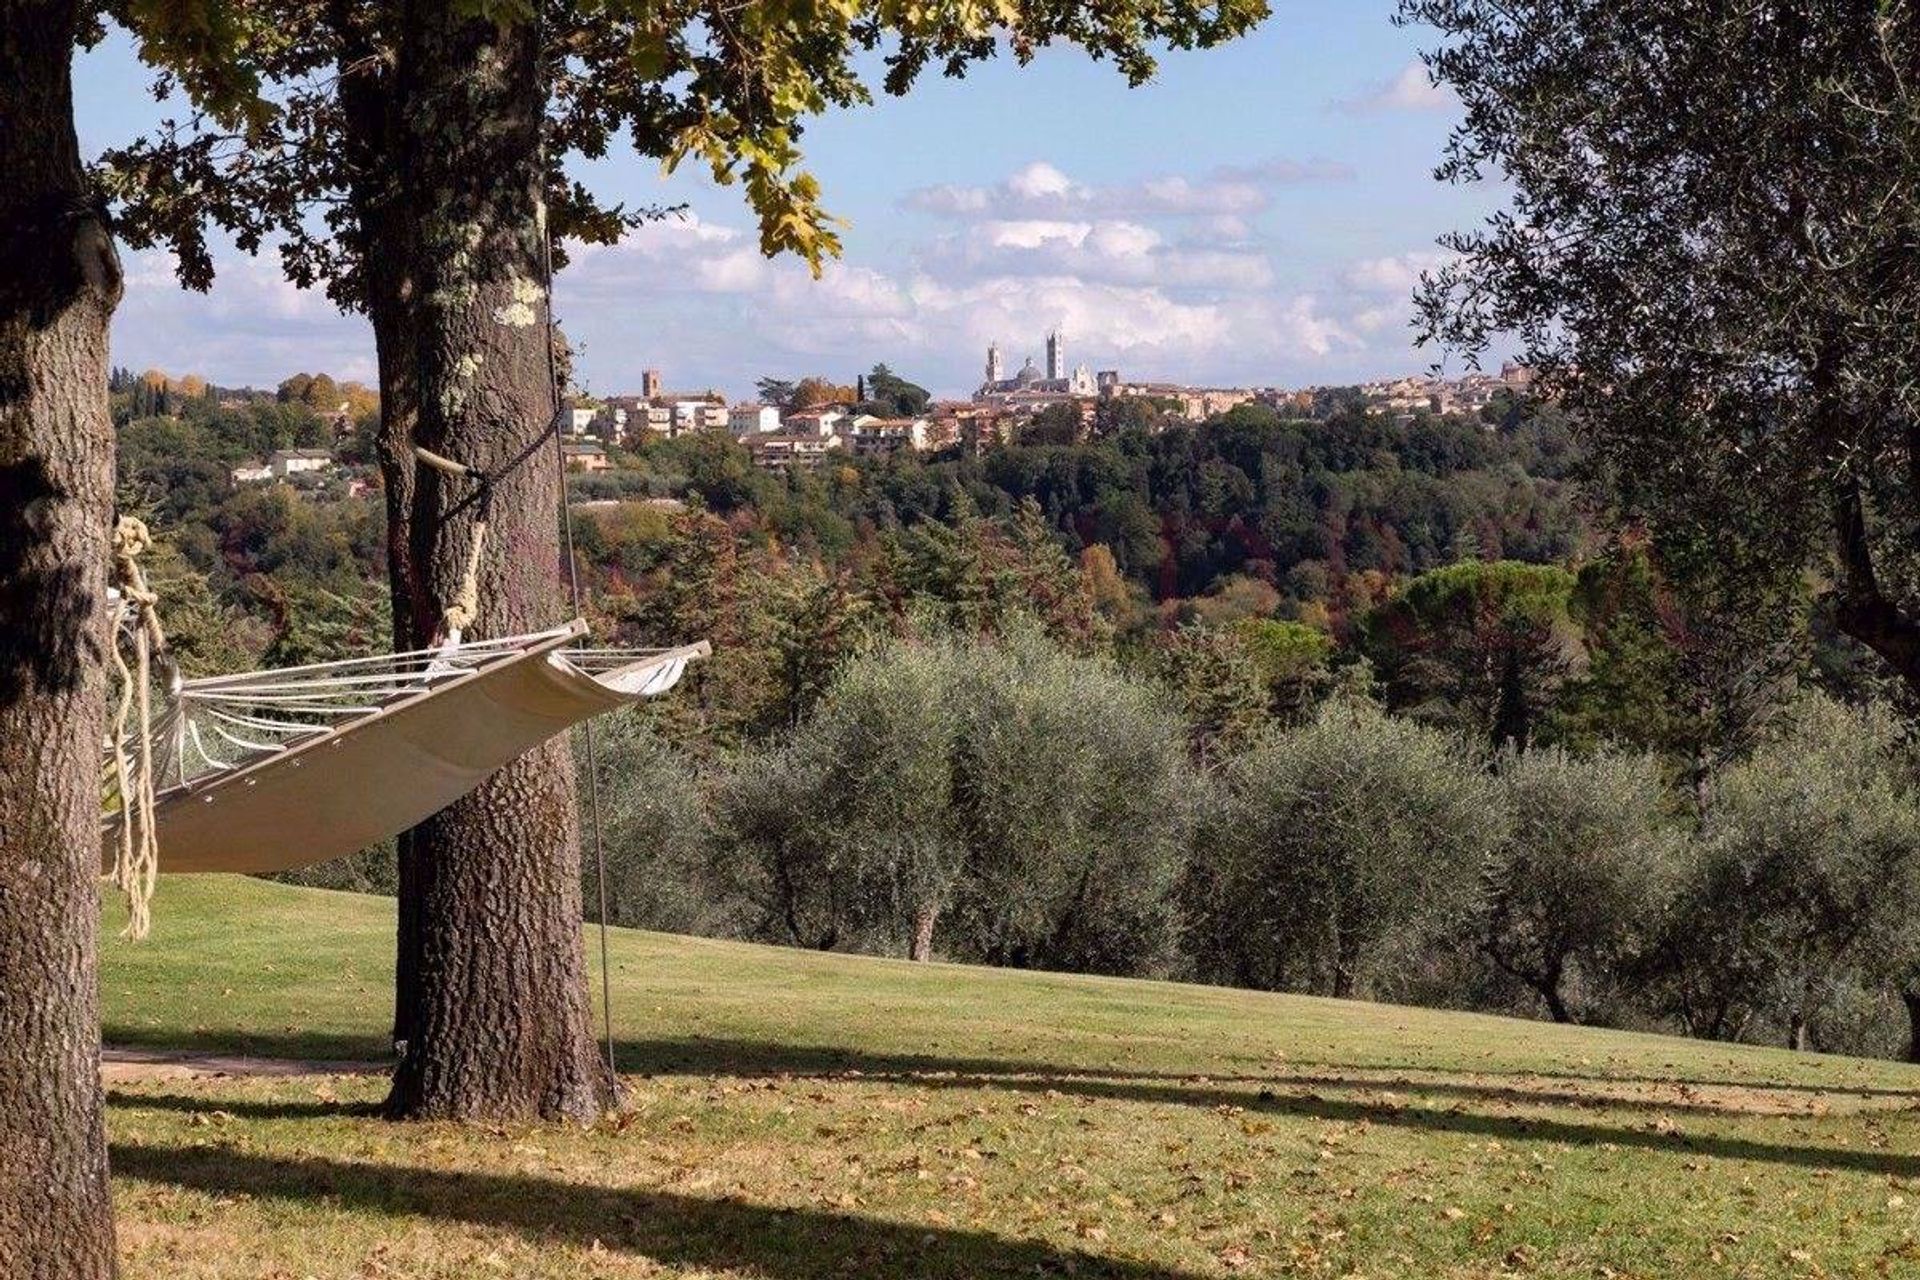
[1288, 1096]
[678, 1230]
[245, 1040]
[246, 1108]
[713, 1056]
[1628, 1078]
[1279, 1094]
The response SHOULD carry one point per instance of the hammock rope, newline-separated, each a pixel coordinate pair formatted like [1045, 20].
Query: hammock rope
[136, 861]
[464, 610]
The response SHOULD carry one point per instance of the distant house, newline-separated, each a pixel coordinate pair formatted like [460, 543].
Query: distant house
[753, 419]
[293, 462]
[282, 465]
[813, 422]
[780, 449]
[585, 456]
[872, 437]
[633, 414]
[699, 413]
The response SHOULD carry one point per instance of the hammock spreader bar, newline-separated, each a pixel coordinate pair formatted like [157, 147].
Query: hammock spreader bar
[345, 764]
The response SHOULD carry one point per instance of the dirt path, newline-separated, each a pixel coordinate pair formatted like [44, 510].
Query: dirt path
[128, 1066]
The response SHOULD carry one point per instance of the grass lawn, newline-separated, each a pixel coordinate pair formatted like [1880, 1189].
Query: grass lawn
[793, 1115]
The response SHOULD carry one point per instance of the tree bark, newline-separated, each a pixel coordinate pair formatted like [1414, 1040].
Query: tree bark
[59, 282]
[379, 238]
[1911, 999]
[492, 996]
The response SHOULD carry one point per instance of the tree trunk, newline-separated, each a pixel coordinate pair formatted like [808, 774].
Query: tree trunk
[381, 240]
[399, 412]
[1797, 1032]
[923, 922]
[1700, 776]
[1346, 964]
[492, 996]
[1549, 989]
[59, 281]
[1912, 1000]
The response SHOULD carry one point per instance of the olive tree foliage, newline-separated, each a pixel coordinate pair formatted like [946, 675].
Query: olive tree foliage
[1337, 854]
[1004, 802]
[661, 868]
[1076, 801]
[1709, 251]
[1797, 890]
[848, 825]
[1580, 879]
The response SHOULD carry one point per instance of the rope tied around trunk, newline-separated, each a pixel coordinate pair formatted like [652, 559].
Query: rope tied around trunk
[136, 860]
[464, 610]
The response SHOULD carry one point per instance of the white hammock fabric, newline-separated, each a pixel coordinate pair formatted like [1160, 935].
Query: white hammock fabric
[272, 770]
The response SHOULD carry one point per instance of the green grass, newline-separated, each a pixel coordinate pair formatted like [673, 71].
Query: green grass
[797, 1115]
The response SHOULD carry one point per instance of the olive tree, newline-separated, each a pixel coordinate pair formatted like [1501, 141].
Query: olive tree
[1708, 252]
[1581, 877]
[1076, 800]
[1794, 884]
[849, 821]
[1336, 852]
[1005, 802]
[661, 872]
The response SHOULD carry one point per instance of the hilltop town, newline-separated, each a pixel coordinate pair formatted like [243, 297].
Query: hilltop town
[807, 422]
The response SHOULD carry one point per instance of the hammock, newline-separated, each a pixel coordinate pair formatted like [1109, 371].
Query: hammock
[272, 770]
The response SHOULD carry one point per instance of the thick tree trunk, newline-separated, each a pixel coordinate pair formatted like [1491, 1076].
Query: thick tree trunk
[59, 281]
[493, 999]
[399, 411]
[1912, 1000]
[382, 242]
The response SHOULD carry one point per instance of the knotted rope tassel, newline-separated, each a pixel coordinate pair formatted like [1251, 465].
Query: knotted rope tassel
[136, 862]
[464, 609]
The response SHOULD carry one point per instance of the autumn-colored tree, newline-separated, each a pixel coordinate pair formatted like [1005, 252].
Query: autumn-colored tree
[811, 393]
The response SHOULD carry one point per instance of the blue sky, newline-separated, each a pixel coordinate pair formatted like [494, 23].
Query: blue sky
[1256, 215]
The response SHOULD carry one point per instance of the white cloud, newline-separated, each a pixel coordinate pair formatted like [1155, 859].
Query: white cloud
[1041, 181]
[1396, 274]
[1039, 190]
[1409, 89]
[1104, 251]
[252, 327]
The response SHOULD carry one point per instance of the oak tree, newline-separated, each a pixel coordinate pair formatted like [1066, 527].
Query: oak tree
[417, 167]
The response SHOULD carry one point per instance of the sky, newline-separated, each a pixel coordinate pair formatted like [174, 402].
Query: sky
[1256, 215]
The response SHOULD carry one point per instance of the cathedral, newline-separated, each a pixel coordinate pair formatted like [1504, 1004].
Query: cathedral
[1056, 380]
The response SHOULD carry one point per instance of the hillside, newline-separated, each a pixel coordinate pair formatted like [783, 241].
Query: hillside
[796, 1115]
